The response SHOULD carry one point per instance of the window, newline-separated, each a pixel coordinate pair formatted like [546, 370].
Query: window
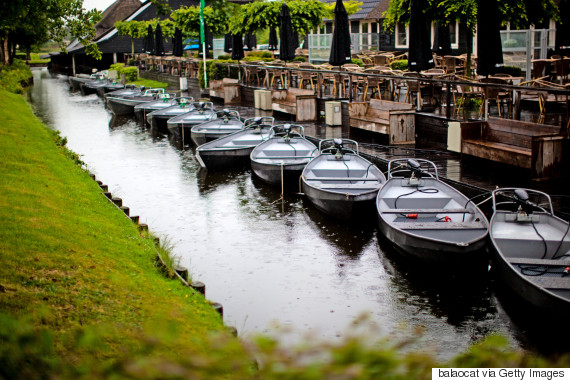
[374, 27]
[401, 31]
[453, 35]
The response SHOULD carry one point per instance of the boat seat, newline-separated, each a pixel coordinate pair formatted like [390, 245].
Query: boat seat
[439, 225]
[282, 157]
[349, 186]
[527, 261]
[550, 282]
[325, 179]
[428, 211]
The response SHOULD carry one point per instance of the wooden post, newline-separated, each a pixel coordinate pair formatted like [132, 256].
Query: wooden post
[448, 101]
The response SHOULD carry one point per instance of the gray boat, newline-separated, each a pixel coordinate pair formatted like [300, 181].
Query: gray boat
[109, 87]
[339, 181]
[125, 104]
[90, 87]
[76, 81]
[223, 124]
[428, 220]
[158, 119]
[280, 160]
[235, 148]
[128, 90]
[181, 125]
[531, 248]
[164, 101]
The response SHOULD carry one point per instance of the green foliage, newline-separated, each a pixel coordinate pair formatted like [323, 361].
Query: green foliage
[520, 13]
[188, 19]
[217, 71]
[13, 77]
[400, 64]
[299, 59]
[131, 73]
[148, 83]
[224, 57]
[258, 15]
[259, 54]
[511, 43]
[31, 23]
[356, 61]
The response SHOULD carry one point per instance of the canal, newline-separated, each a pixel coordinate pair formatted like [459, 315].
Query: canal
[271, 262]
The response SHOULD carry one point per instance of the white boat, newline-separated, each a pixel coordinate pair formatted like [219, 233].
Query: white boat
[531, 249]
[281, 159]
[339, 181]
[158, 119]
[235, 148]
[182, 124]
[124, 103]
[428, 220]
[225, 122]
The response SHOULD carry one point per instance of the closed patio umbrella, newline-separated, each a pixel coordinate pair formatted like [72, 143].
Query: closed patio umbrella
[159, 43]
[340, 45]
[149, 41]
[273, 42]
[249, 42]
[286, 48]
[237, 47]
[442, 40]
[489, 48]
[419, 51]
[228, 42]
[177, 43]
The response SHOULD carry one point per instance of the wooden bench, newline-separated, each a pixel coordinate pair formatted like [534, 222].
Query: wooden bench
[397, 120]
[296, 101]
[533, 146]
[227, 89]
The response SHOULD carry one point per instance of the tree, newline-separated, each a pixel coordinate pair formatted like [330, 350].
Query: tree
[33, 22]
[139, 29]
[520, 13]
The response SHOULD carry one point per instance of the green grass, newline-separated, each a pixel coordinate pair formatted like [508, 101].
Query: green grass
[72, 265]
[148, 83]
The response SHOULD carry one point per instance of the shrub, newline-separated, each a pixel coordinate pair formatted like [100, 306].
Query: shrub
[259, 54]
[224, 57]
[356, 61]
[15, 77]
[401, 64]
[299, 59]
[216, 72]
[131, 72]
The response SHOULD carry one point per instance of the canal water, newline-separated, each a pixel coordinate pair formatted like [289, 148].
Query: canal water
[271, 262]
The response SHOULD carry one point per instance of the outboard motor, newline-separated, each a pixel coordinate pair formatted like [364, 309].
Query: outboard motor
[339, 147]
[417, 171]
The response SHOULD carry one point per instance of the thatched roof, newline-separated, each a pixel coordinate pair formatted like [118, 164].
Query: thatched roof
[117, 11]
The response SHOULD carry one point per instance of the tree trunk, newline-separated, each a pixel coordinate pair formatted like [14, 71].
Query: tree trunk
[5, 51]
[469, 46]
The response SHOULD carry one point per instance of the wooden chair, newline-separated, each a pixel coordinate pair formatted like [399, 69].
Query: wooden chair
[450, 64]
[306, 75]
[496, 94]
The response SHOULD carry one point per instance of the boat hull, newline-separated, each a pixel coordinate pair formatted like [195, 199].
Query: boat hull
[122, 106]
[288, 174]
[212, 159]
[340, 206]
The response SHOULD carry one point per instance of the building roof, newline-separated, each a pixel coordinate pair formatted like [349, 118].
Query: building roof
[370, 9]
[117, 11]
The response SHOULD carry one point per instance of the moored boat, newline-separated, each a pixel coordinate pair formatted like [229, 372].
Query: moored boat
[428, 220]
[76, 81]
[109, 87]
[280, 160]
[235, 148]
[90, 87]
[125, 104]
[182, 124]
[158, 119]
[163, 101]
[225, 122]
[531, 250]
[339, 181]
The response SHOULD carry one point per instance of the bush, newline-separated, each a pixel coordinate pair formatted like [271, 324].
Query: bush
[401, 64]
[216, 72]
[259, 54]
[224, 57]
[356, 61]
[299, 59]
[131, 72]
[15, 77]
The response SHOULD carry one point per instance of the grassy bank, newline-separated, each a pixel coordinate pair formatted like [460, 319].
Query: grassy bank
[77, 280]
